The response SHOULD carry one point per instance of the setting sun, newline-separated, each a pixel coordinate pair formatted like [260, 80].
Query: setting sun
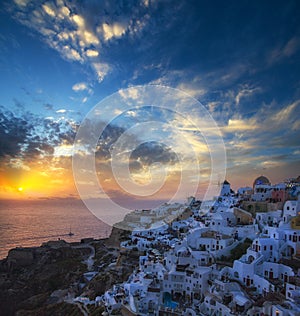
[20, 189]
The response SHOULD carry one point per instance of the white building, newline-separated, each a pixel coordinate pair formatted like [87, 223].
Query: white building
[204, 239]
[225, 190]
[186, 281]
[262, 192]
[290, 209]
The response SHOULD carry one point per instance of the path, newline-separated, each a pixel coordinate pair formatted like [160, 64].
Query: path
[90, 260]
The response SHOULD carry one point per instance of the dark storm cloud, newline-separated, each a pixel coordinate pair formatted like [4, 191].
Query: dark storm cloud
[144, 155]
[29, 136]
[110, 135]
[149, 153]
[13, 133]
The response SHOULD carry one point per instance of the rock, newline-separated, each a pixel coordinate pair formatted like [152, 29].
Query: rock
[20, 257]
[30, 275]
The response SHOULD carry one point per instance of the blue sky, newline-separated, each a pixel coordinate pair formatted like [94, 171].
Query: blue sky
[240, 59]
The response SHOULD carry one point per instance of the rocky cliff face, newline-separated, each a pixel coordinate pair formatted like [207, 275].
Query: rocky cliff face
[20, 257]
[116, 236]
[36, 281]
[29, 275]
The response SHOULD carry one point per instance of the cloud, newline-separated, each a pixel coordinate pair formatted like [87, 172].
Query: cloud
[79, 20]
[168, 48]
[61, 111]
[286, 114]
[132, 93]
[246, 92]
[291, 46]
[91, 53]
[22, 3]
[27, 136]
[101, 70]
[240, 125]
[13, 133]
[80, 86]
[71, 53]
[86, 32]
[194, 90]
[149, 153]
[115, 30]
[66, 32]
[267, 122]
[286, 50]
[63, 150]
[264, 141]
[33, 148]
[65, 11]
[48, 9]
[81, 33]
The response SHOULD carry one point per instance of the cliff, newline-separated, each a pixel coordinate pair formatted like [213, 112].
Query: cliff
[37, 280]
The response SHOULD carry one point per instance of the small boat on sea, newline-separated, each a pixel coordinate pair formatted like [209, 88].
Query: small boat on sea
[70, 233]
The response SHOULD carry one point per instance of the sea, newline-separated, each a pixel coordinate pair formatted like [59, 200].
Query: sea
[29, 223]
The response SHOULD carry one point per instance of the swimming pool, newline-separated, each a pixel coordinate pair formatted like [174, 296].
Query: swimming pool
[168, 301]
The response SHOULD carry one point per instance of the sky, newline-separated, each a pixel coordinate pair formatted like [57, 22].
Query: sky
[236, 63]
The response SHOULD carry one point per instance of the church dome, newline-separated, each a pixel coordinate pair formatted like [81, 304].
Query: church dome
[261, 180]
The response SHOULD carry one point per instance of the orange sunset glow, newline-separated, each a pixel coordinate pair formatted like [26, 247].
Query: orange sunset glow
[59, 63]
[37, 179]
